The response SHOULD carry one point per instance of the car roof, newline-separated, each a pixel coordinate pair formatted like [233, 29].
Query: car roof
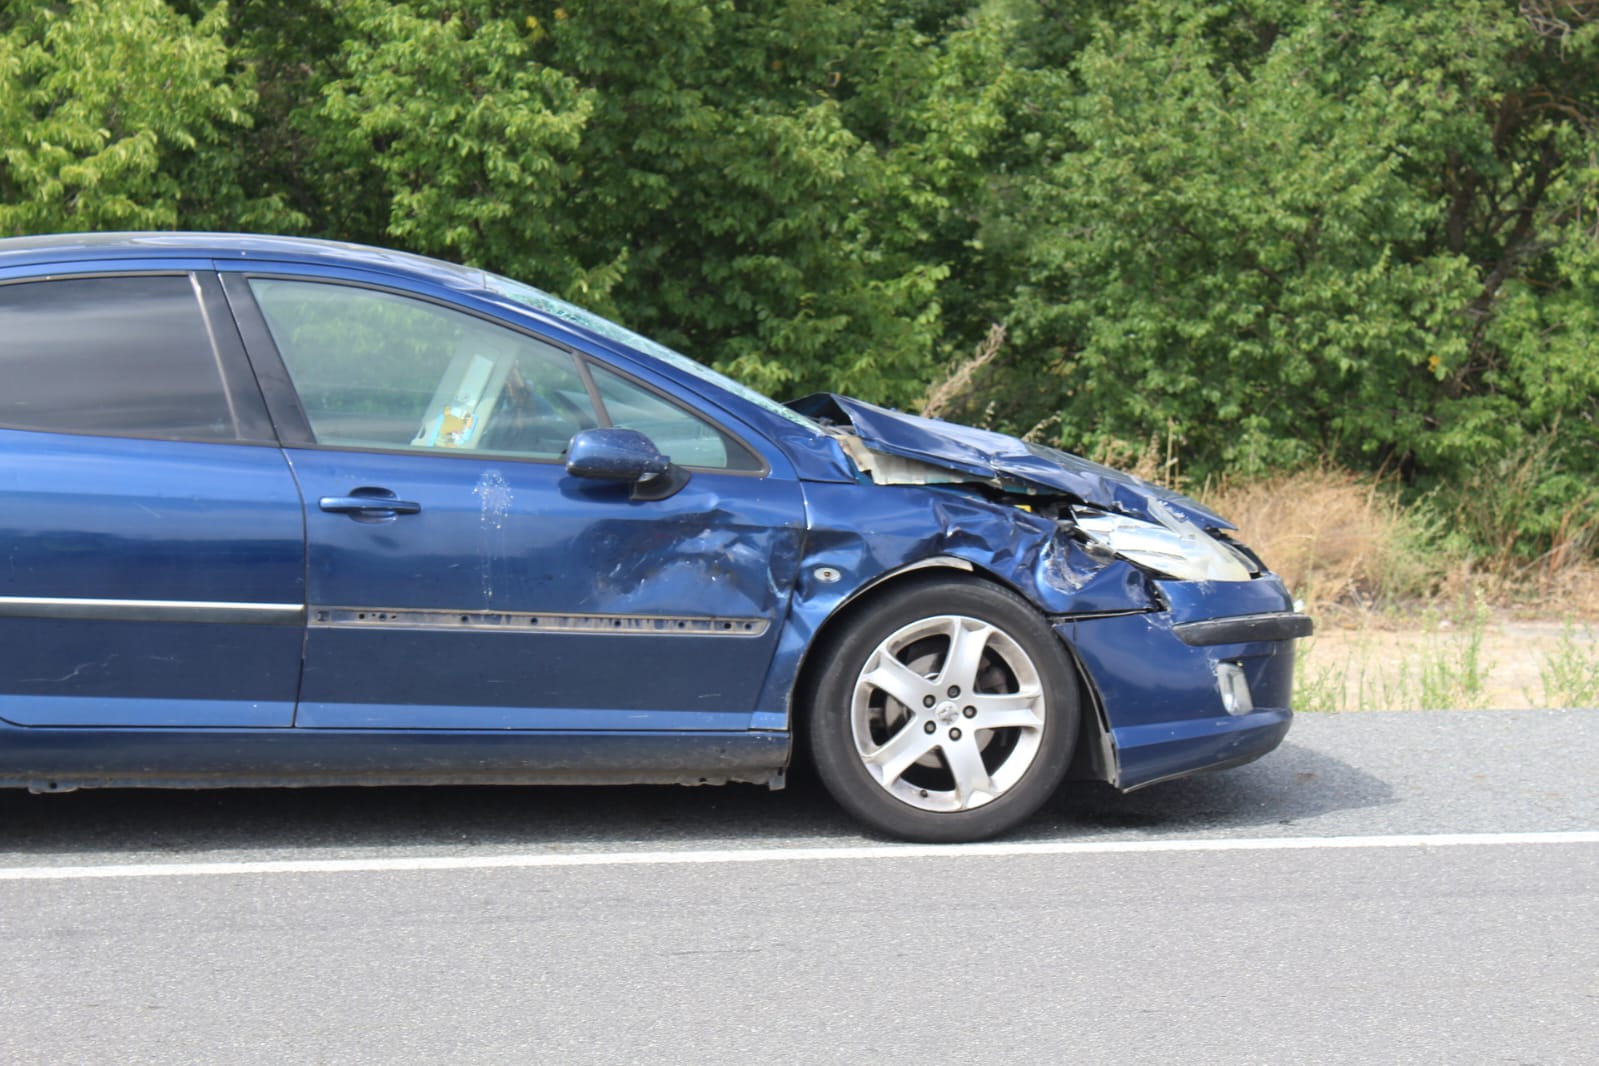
[70, 247]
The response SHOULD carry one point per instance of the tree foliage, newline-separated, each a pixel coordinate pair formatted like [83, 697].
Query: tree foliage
[1269, 231]
[1322, 229]
[683, 166]
[122, 114]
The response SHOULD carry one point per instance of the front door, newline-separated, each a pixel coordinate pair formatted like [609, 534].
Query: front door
[459, 578]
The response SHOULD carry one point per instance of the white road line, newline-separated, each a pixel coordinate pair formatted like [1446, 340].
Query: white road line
[870, 851]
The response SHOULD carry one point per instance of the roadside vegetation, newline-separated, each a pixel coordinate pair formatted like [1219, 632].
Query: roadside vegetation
[1411, 611]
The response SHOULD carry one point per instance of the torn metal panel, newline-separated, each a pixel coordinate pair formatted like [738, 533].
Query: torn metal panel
[886, 468]
[1192, 601]
[986, 457]
[862, 534]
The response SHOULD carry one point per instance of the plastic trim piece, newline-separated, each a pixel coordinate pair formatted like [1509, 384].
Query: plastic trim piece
[1244, 629]
[266, 614]
[61, 760]
[603, 625]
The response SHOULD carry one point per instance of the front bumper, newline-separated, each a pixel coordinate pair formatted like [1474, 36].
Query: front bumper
[1160, 678]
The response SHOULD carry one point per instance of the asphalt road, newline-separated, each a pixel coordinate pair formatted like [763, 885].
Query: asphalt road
[1227, 918]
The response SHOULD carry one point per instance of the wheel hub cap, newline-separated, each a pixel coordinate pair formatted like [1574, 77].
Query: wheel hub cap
[948, 713]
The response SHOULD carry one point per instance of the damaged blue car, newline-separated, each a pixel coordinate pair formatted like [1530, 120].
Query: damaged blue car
[289, 512]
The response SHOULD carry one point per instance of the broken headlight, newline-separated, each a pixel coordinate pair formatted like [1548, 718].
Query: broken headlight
[1171, 545]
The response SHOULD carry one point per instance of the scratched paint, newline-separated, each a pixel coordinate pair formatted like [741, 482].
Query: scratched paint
[495, 499]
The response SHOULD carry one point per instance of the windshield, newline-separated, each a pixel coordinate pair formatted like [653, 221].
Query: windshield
[539, 300]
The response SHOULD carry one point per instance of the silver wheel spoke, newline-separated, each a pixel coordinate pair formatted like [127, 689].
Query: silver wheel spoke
[967, 640]
[900, 752]
[1015, 710]
[908, 712]
[895, 678]
[966, 766]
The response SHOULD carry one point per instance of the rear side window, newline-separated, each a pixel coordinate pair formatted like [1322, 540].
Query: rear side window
[117, 356]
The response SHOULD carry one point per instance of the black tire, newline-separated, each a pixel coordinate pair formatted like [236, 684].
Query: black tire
[919, 763]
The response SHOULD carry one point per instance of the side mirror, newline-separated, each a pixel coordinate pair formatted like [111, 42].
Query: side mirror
[624, 455]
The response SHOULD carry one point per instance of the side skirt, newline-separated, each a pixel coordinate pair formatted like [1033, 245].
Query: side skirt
[60, 760]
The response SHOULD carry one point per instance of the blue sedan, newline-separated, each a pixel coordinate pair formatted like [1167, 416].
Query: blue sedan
[290, 512]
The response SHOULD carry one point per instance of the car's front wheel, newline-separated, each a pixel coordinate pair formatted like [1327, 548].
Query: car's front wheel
[945, 711]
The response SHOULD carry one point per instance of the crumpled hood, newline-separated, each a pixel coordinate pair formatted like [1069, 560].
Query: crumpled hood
[988, 456]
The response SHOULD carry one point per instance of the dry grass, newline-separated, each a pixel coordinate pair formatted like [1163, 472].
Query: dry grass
[1492, 662]
[954, 385]
[1347, 544]
[1157, 459]
[1337, 539]
[1404, 620]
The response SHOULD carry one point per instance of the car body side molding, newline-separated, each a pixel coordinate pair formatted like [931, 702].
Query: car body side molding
[106, 610]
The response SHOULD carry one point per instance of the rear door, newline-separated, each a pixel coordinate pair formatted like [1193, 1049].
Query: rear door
[459, 578]
[151, 539]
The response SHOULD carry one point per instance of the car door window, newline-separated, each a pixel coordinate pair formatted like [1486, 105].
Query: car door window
[119, 356]
[682, 436]
[377, 370]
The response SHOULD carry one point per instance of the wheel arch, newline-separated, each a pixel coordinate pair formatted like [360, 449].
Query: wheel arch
[1092, 757]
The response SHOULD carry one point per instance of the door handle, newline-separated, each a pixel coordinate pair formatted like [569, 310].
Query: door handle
[369, 502]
